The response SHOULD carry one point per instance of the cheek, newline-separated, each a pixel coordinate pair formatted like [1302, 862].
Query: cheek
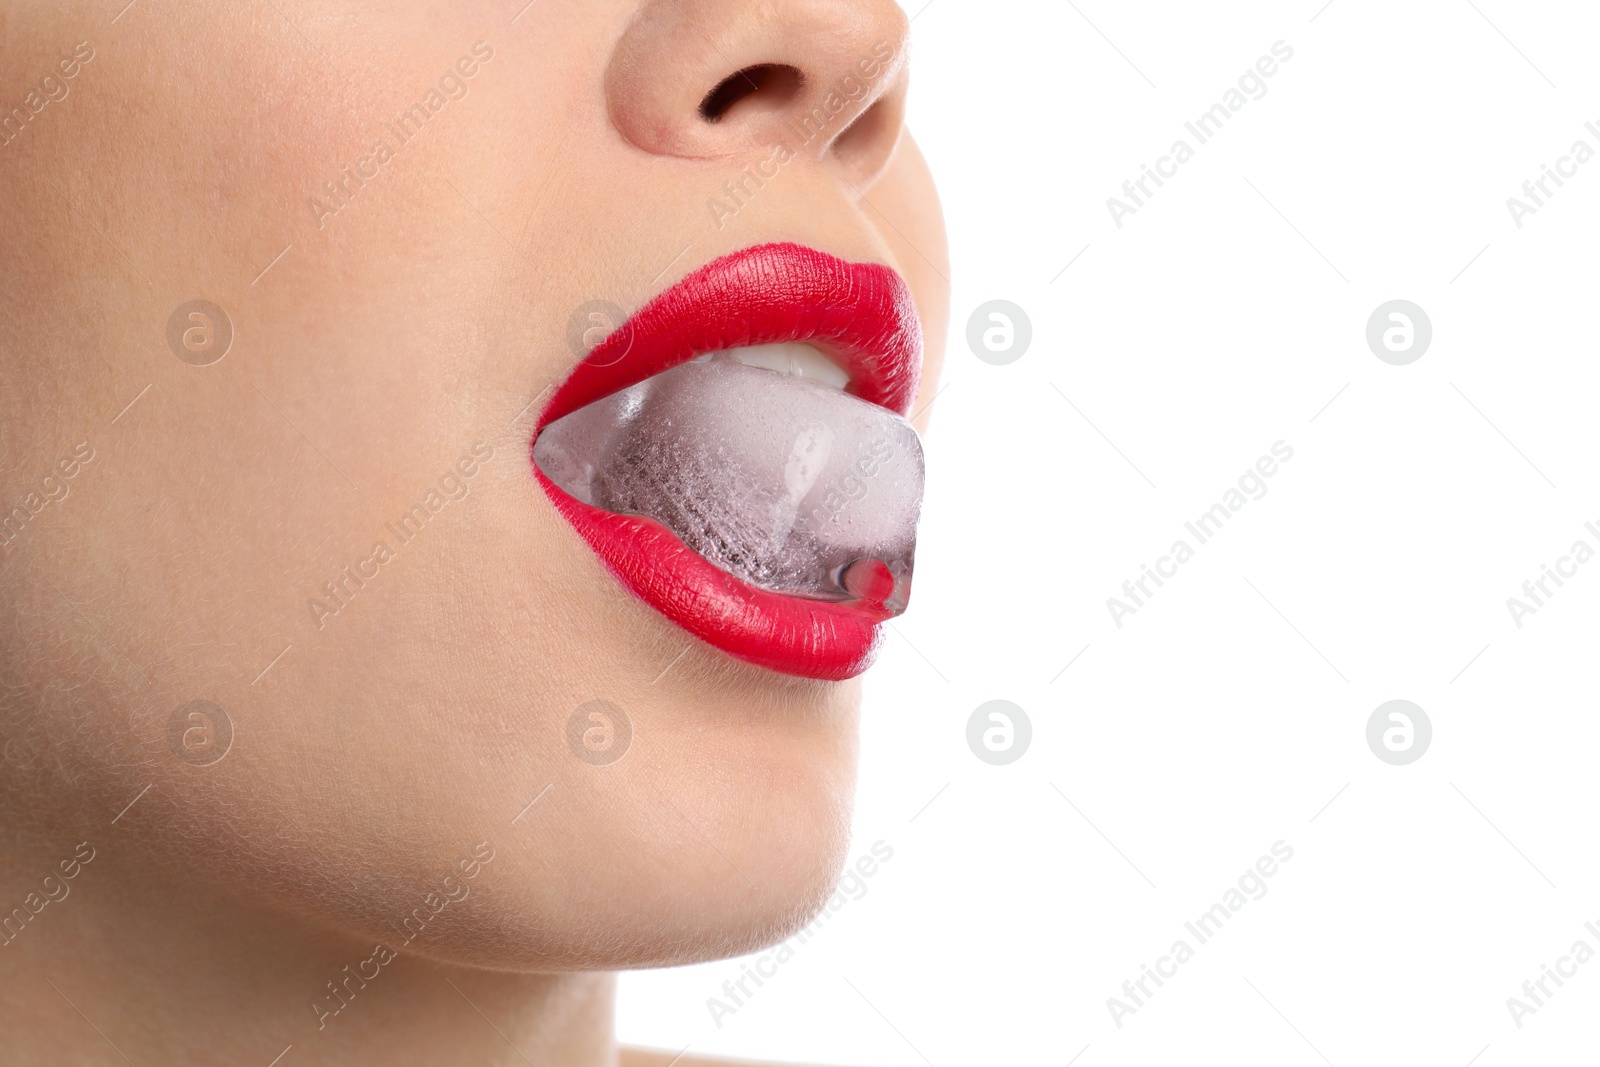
[370, 353]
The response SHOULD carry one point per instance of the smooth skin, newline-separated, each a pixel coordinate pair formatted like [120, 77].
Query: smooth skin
[386, 341]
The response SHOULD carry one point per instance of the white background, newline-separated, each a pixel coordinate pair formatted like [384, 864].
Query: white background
[1230, 712]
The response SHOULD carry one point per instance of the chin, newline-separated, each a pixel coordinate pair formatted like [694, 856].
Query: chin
[723, 830]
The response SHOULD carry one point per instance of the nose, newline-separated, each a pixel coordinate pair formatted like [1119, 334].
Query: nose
[707, 79]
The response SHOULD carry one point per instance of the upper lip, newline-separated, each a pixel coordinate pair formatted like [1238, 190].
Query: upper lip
[859, 314]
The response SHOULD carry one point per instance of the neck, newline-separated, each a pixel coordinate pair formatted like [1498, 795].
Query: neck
[116, 965]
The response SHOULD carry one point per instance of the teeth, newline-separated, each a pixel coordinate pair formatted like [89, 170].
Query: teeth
[792, 358]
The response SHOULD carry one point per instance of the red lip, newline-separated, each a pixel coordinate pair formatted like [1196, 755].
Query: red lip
[861, 315]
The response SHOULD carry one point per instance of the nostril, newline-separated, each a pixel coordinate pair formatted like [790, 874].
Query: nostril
[768, 85]
[857, 139]
[865, 145]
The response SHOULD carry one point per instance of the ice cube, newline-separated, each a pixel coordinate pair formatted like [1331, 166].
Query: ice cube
[791, 485]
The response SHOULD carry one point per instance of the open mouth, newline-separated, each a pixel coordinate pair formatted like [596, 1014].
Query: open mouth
[737, 456]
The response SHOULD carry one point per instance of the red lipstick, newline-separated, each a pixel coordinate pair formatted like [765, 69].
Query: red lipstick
[862, 316]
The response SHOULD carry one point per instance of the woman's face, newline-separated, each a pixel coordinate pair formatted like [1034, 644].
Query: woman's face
[401, 218]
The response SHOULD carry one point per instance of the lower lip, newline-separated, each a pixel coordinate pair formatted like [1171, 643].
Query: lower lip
[806, 638]
[809, 638]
